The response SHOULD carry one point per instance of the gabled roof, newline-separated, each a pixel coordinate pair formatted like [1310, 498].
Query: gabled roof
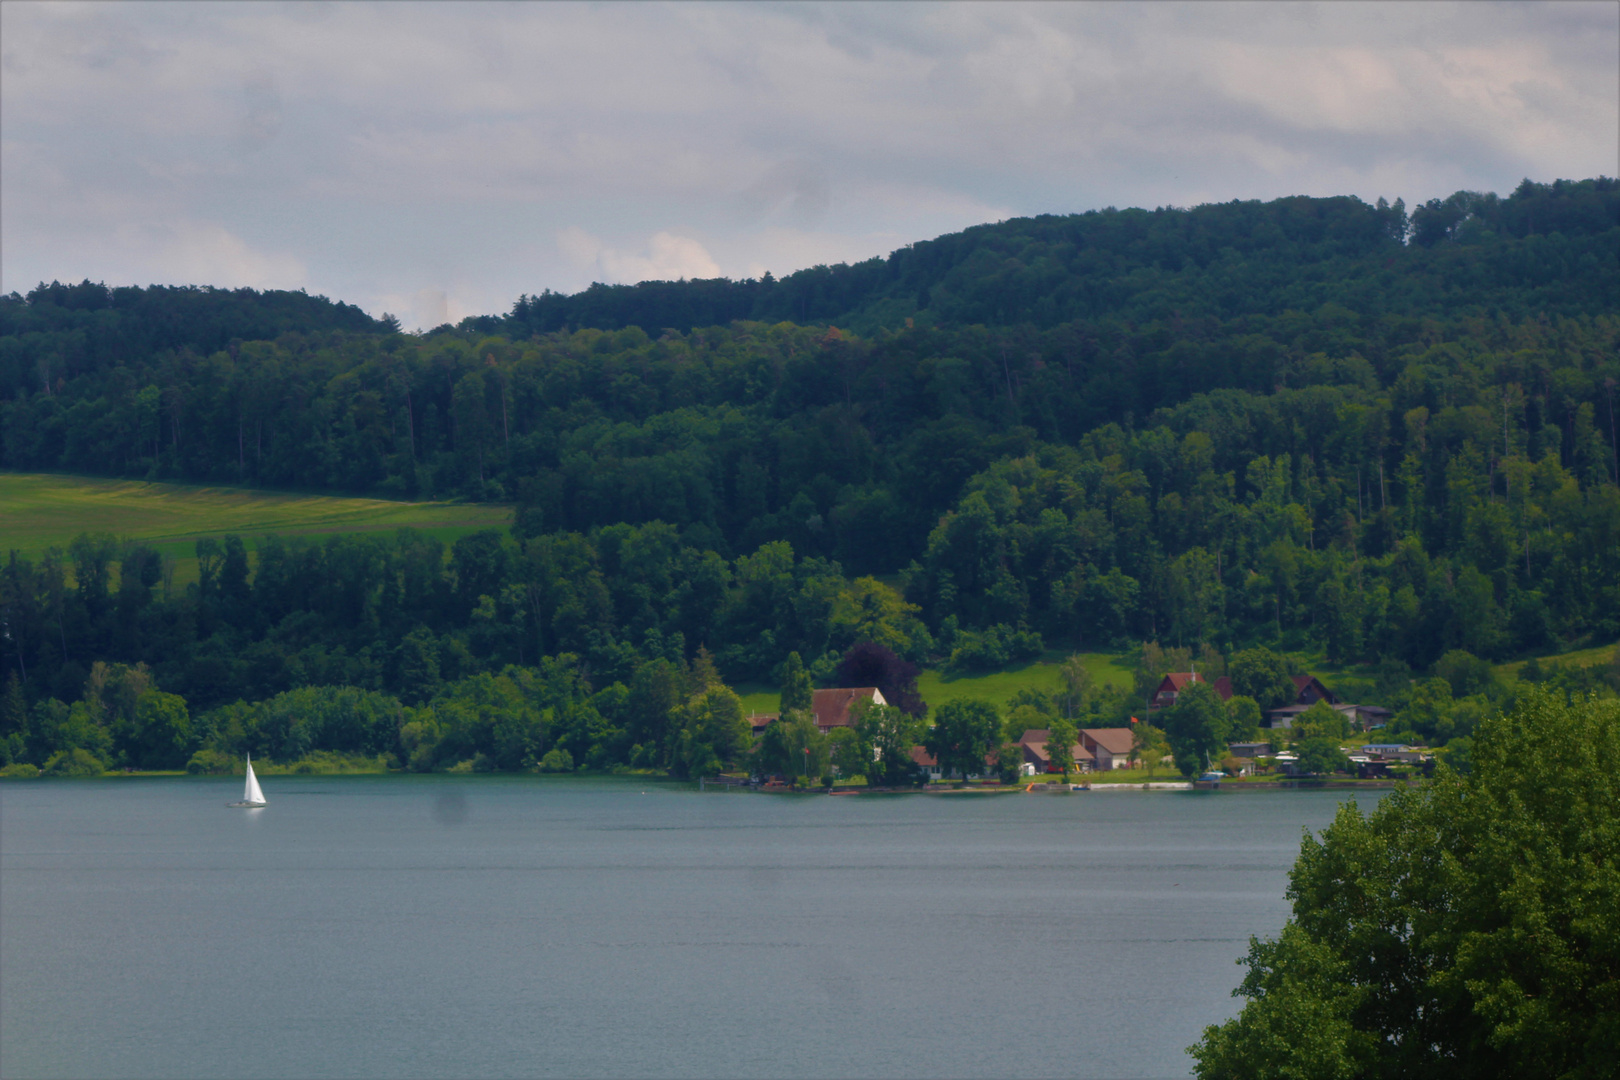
[1038, 749]
[1302, 682]
[1177, 681]
[1034, 735]
[1116, 740]
[1180, 680]
[831, 708]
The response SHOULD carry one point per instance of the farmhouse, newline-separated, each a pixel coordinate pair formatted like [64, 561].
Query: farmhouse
[1171, 686]
[834, 708]
[1110, 748]
[1037, 753]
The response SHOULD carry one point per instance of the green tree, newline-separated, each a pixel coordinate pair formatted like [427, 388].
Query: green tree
[848, 754]
[1060, 740]
[965, 731]
[1245, 714]
[1262, 675]
[797, 690]
[1197, 727]
[1078, 686]
[1467, 927]
[714, 733]
[1009, 762]
[162, 732]
[888, 734]
[1320, 754]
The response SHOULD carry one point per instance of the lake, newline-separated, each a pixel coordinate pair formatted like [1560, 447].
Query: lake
[425, 926]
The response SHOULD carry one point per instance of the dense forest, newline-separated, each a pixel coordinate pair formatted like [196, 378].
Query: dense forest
[1310, 424]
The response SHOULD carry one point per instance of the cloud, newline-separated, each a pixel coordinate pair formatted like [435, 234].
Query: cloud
[667, 257]
[378, 147]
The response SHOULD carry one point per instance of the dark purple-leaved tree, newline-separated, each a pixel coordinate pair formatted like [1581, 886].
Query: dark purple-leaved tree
[871, 664]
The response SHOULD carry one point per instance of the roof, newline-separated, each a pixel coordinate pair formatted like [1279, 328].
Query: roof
[923, 757]
[1039, 750]
[1035, 735]
[832, 707]
[1116, 740]
[760, 721]
[1302, 682]
[1180, 680]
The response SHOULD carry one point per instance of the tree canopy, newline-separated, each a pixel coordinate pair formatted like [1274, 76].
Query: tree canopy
[1467, 927]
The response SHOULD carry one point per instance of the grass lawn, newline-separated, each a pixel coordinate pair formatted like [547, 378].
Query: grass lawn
[998, 687]
[1602, 654]
[41, 510]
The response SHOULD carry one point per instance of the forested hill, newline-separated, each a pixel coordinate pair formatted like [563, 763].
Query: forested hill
[58, 332]
[1247, 423]
[1542, 249]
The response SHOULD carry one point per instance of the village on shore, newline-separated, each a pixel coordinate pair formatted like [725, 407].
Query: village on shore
[1111, 758]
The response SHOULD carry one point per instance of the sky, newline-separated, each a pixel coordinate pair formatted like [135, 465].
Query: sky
[438, 160]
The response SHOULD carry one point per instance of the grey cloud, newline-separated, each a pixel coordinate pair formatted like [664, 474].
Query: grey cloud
[397, 149]
[796, 192]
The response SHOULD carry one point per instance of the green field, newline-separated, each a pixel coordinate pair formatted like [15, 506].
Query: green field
[998, 687]
[38, 511]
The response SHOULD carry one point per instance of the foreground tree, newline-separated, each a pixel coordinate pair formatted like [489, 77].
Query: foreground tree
[1469, 927]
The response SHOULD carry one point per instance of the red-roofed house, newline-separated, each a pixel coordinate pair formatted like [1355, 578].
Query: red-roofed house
[1171, 686]
[1308, 690]
[1037, 754]
[832, 708]
[1110, 747]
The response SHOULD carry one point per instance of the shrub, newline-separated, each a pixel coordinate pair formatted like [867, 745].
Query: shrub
[210, 763]
[74, 763]
[20, 770]
[558, 760]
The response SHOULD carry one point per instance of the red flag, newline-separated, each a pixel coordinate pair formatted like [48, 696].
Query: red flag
[1133, 719]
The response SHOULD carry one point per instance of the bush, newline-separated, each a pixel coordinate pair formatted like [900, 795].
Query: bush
[1321, 755]
[1466, 673]
[994, 648]
[211, 763]
[558, 760]
[78, 763]
[20, 770]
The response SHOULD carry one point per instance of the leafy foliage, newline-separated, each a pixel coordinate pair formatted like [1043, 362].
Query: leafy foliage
[1467, 927]
[1258, 428]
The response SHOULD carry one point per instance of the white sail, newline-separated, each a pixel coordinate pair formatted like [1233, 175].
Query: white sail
[251, 793]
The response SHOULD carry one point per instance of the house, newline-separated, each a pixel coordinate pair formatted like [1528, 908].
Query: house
[1249, 749]
[1308, 690]
[1036, 753]
[1111, 748]
[834, 708]
[925, 761]
[1363, 717]
[760, 721]
[1171, 686]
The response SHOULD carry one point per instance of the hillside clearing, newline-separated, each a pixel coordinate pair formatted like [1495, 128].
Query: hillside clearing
[43, 510]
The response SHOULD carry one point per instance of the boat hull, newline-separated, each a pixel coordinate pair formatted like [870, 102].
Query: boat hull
[246, 805]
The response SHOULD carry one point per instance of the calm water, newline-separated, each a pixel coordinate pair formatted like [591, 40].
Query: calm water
[436, 926]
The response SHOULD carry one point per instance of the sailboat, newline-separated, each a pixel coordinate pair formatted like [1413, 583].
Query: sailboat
[251, 795]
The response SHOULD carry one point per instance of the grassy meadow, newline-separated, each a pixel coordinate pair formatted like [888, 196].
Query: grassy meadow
[997, 687]
[42, 510]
